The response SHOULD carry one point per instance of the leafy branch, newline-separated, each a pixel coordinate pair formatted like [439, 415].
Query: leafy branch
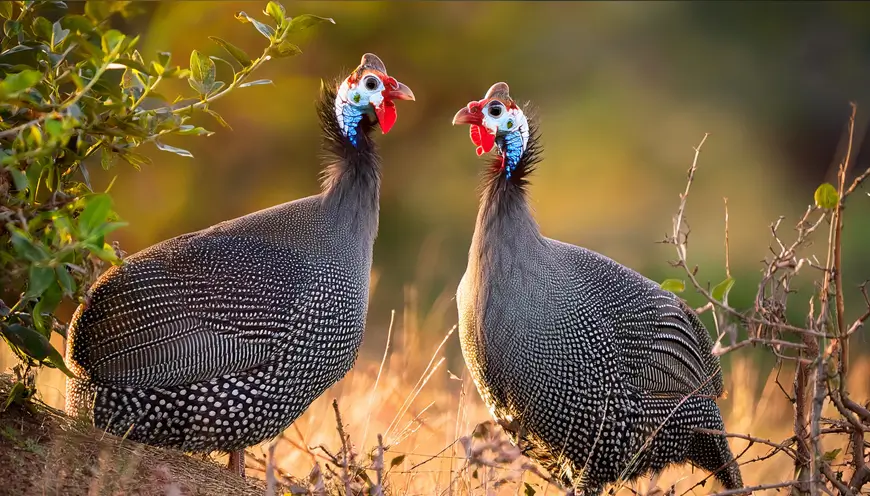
[73, 89]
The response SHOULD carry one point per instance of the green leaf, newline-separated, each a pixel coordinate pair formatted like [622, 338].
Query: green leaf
[55, 359]
[19, 179]
[674, 285]
[107, 157]
[111, 41]
[265, 30]
[25, 247]
[95, 213]
[831, 455]
[19, 393]
[102, 251]
[528, 489]
[234, 51]
[187, 129]
[108, 227]
[826, 196]
[66, 281]
[58, 34]
[34, 345]
[276, 11]
[202, 72]
[218, 118]
[397, 461]
[16, 83]
[28, 340]
[177, 151]
[721, 290]
[6, 10]
[77, 23]
[39, 280]
[42, 28]
[11, 28]
[133, 64]
[46, 305]
[137, 160]
[54, 128]
[284, 49]
[256, 83]
[224, 61]
[215, 87]
[97, 10]
[305, 21]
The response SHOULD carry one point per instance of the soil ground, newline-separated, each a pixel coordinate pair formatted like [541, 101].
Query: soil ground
[44, 452]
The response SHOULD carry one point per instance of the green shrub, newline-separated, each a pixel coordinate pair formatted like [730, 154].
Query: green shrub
[72, 89]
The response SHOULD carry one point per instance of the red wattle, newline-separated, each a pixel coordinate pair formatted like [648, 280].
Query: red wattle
[481, 137]
[386, 113]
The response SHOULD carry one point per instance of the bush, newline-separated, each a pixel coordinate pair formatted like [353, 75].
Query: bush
[816, 352]
[74, 89]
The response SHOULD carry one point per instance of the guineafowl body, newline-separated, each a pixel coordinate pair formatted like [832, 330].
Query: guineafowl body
[219, 339]
[598, 373]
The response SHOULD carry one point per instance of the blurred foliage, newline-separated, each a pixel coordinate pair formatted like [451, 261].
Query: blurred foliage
[72, 89]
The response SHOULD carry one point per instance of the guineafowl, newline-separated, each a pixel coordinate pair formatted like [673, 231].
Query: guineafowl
[598, 374]
[219, 339]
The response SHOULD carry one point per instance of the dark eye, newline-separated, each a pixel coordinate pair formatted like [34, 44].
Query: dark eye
[495, 110]
[371, 83]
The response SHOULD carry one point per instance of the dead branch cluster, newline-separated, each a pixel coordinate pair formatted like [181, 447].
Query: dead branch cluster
[818, 348]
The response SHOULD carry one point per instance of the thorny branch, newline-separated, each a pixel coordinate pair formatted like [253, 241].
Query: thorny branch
[820, 347]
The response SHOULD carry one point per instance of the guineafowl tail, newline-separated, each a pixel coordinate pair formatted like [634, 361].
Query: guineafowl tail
[712, 453]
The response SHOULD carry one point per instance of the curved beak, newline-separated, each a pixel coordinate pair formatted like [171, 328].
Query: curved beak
[401, 93]
[466, 116]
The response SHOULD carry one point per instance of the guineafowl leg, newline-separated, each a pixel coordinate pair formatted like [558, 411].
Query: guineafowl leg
[237, 462]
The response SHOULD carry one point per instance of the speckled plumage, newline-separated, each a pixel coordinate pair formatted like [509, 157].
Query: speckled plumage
[601, 374]
[219, 339]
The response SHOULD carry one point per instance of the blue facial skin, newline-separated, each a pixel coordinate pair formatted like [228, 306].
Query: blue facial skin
[511, 145]
[352, 116]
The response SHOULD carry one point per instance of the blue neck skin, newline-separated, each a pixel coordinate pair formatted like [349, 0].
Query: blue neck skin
[511, 146]
[352, 116]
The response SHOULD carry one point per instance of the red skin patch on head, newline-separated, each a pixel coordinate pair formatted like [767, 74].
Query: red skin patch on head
[480, 135]
[386, 111]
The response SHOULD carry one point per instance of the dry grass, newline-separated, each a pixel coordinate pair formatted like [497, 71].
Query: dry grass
[430, 439]
[429, 418]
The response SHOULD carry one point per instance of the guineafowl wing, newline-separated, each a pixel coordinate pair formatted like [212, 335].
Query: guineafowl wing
[190, 308]
[673, 349]
[661, 346]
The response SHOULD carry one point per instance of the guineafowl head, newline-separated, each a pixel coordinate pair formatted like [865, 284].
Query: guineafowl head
[497, 121]
[368, 93]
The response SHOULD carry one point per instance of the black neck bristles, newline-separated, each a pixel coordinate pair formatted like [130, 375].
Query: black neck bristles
[497, 176]
[344, 159]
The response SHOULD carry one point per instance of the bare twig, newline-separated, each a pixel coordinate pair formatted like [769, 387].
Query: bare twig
[345, 451]
[783, 446]
[751, 489]
[378, 466]
[727, 249]
[271, 483]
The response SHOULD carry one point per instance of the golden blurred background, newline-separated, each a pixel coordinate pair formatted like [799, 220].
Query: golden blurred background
[623, 92]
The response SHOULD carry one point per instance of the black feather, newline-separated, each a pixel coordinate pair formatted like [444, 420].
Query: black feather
[342, 159]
